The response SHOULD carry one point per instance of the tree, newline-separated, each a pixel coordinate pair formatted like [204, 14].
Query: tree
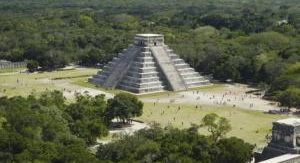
[92, 57]
[11, 143]
[51, 98]
[217, 126]
[36, 129]
[288, 78]
[86, 117]
[156, 144]
[124, 106]
[148, 151]
[32, 65]
[289, 97]
[234, 150]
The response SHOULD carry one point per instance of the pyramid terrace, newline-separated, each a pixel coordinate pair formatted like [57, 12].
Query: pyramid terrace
[148, 66]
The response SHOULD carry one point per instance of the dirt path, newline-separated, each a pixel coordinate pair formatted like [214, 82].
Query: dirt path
[69, 89]
[233, 95]
[135, 126]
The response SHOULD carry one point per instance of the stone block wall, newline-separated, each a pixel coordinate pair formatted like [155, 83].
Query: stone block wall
[7, 64]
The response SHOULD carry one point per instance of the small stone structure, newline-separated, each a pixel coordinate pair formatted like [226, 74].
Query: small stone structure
[285, 139]
[287, 158]
[7, 64]
[148, 66]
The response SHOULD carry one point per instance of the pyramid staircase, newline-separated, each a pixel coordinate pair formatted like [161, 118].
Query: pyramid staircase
[148, 66]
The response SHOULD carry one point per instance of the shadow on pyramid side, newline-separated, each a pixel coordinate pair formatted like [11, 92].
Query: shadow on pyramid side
[148, 66]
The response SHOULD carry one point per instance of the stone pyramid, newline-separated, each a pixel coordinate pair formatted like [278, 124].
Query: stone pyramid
[148, 66]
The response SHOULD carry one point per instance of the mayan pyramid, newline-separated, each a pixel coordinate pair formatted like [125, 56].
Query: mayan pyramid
[148, 66]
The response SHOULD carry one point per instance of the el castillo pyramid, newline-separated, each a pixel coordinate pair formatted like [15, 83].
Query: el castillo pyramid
[148, 66]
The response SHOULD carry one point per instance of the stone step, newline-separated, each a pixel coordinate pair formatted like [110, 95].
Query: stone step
[189, 74]
[111, 64]
[115, 59]
[121, 68]
[107, 68]
[106, 73]
[172, 54]
[142, 90]
[196, 84]
[186, 70]
[120, 55]
[145, 49]
[168, 50]
[182, 66]
[99, 72]
[144, 60]
[100, 76]
[144, 64]
[142, 80]
[147, 70]
[145, 54]
[142, 69]
[174, 57]
[194, 79]
[178, 61]
[96, 81]
[143, 75]
[141, 85]
[168, 69]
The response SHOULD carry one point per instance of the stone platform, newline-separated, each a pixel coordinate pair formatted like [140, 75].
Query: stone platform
[285, 139]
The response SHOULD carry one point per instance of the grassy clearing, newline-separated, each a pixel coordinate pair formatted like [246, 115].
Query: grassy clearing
[8, 70]
[84, 83]
[252, 126]
[24, 84]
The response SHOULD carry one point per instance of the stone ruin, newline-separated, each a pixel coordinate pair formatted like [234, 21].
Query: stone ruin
[285, 139]
[7, 64]
[148, 66]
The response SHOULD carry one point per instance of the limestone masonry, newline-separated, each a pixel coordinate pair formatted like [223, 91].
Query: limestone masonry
[148, 66]
[285, 139]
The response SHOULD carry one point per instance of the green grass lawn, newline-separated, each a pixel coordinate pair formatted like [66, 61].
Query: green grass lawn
[8, 70]
[23, 84]
[252, 126]
[165, 93]
[83, 82]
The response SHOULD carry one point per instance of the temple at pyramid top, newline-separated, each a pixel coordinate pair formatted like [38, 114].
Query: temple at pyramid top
[148, 66]
[149, 39]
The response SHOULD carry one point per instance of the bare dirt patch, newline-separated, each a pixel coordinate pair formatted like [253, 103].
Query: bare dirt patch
[231, 95]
